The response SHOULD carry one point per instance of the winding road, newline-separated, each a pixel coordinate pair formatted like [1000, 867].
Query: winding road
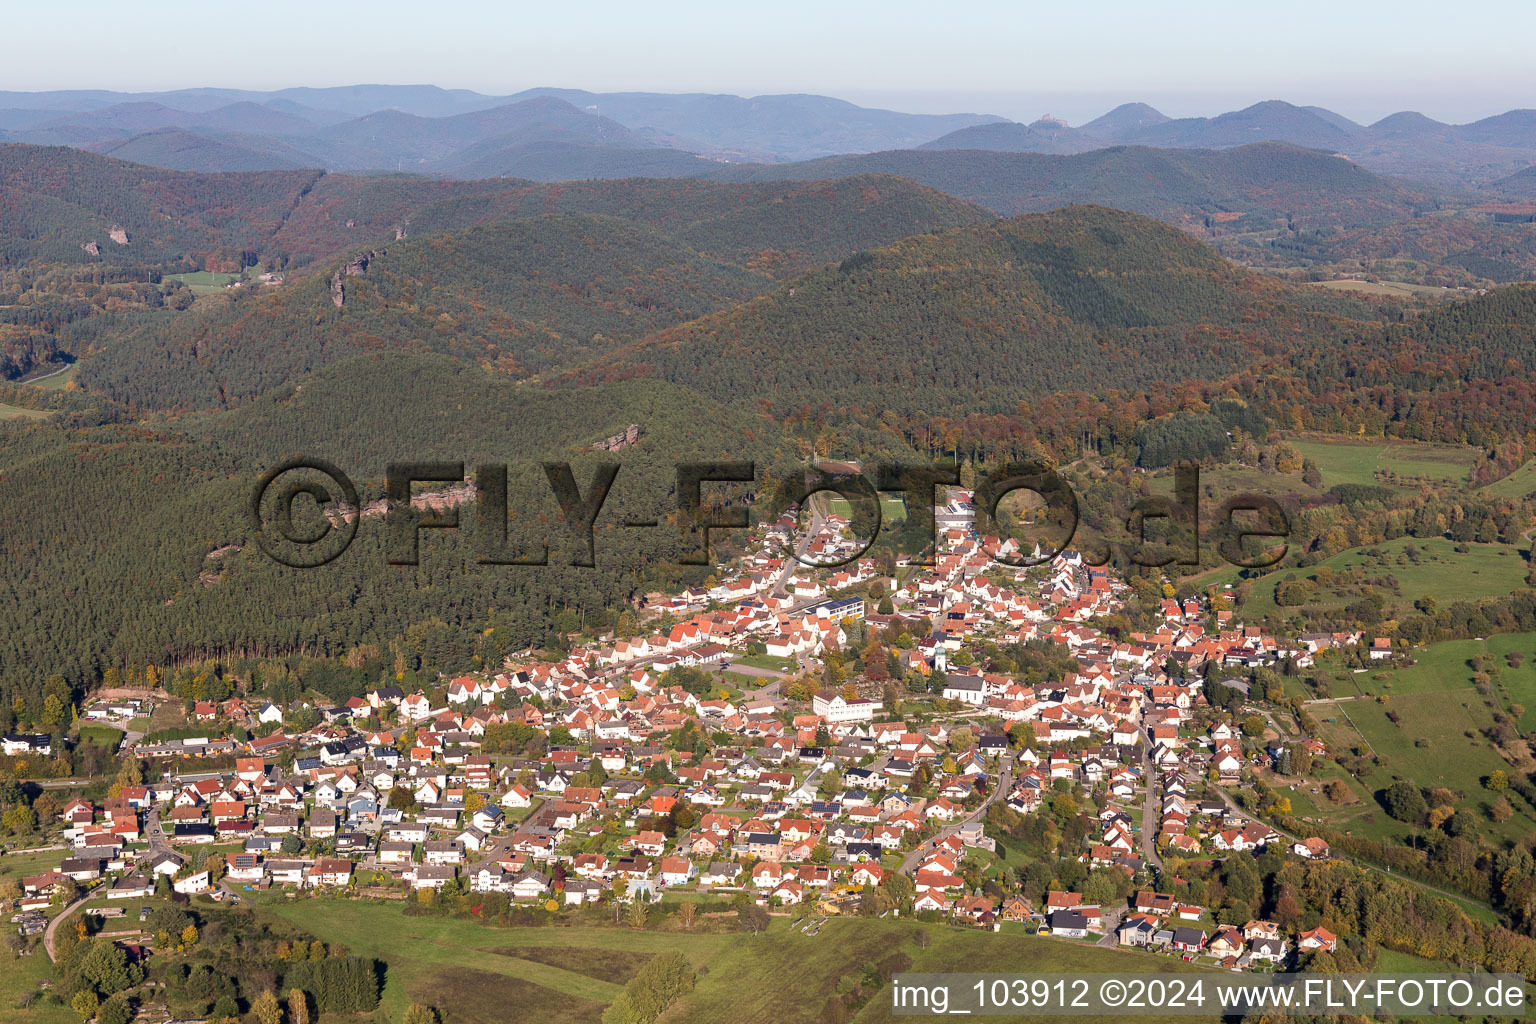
[53, 926]
[1004, 784]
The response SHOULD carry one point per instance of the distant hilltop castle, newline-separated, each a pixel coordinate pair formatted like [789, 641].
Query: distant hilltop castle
[628, 436]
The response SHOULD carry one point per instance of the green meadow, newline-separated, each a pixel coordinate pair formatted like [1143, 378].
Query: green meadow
[8, 412]
[1435, 569]
[1429, 723]
[1343, 460]
[561, 974]
[1517, 485]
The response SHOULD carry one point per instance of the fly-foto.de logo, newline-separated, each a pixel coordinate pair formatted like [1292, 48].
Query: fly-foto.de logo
[306, 512]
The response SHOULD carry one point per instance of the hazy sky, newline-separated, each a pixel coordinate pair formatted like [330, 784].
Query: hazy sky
[1363, 58]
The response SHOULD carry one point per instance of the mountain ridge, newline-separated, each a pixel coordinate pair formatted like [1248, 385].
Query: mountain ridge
[1025, 306]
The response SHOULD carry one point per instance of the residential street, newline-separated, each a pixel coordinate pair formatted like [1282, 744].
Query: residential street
[1112, 918]
[154, 832]
[1150, 813]
[1005, 783]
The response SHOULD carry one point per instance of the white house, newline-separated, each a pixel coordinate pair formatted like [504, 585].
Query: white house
[965, 689]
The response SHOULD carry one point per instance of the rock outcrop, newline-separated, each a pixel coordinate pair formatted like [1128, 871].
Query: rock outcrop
[357, 265]
[623, 439]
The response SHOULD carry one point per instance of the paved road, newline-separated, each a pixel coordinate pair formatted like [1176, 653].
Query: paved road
[53, 926]
[1151, 812]
[1000, 790]
[55, 373]
[231, 889]
[769, 692]
[131, 737]
[59, 783]
[801, 548]
[155, 833]
[200, 776]
[1111, 922]
[1226, 798]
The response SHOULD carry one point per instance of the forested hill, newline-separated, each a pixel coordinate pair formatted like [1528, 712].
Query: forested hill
[981, 318]
[119, 572]
[1264, 181]
[519, 295]
[780, 227]
[1459, 370]
[55, 202]
[58, 204]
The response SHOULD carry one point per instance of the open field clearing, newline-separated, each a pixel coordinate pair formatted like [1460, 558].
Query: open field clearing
[1430, 723]
[1402, 571]
[1517, 485]
[1344, 460]
[569, 973]
[1389, 288]
[8, 412]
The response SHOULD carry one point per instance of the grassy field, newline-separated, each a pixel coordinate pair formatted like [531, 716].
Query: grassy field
[1438, 570]
[1395, 289]
[17, 865]
[1226, 481]
[893, 510]
[1438, 668]
[168, 714]
[1448, 666]
[767, 661]
[204, 282]
[746, 982]
[568, 974]
[478, 973]
[21, 979]
[8, 412]
[1517, 485]
[101, 735]
[1451, 757]
[1431, 729]
[1344, 460]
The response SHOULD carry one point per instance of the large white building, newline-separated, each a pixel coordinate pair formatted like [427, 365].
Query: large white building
[831, 705]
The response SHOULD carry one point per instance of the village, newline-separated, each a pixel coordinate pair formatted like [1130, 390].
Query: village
[629, 771]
